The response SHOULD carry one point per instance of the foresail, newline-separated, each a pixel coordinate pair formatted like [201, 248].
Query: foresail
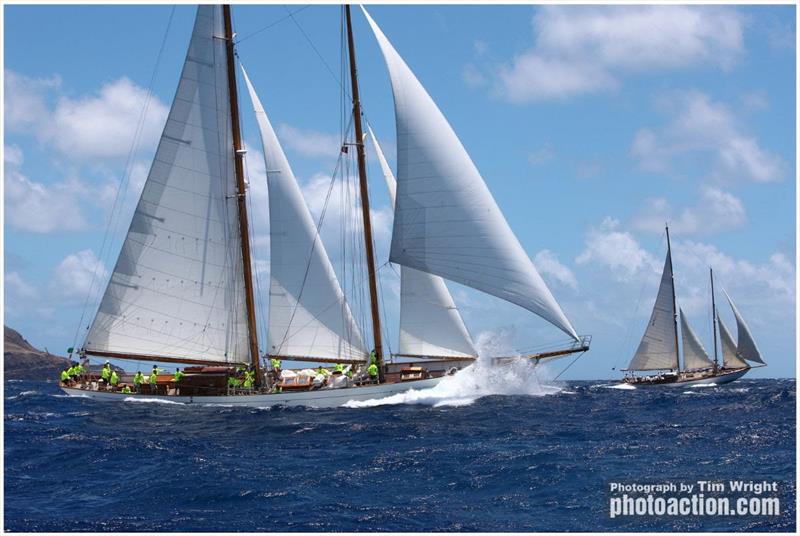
[745, 346]
[430, 324]
[658, 350]
[177, 289]
[308, 313]
[694, 355]
[446, 221]
[729, 357]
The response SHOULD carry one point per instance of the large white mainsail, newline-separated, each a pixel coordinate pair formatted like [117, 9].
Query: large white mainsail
[308, 313]
[745, 346]
[430, 324]
[446, 221]
[177, 290]
[694, 355]
[658, 349]
[729, 357]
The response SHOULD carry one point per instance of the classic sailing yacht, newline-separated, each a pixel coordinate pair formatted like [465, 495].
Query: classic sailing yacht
[182, 289]
[658, 350]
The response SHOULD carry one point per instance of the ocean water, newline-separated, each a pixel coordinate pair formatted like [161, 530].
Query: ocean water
[539, 457]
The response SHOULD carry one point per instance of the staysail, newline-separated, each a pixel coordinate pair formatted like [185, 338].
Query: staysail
[745, 346]
[430, 324]
[694, 355]
[177, 290]
[729, 357]
[446, 221]
[658, 349]
[308, 313]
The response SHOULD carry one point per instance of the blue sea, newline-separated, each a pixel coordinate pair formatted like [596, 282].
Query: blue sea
[532, 462]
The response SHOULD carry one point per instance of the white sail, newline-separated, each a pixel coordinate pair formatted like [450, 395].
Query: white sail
[658, 349]
[430, 324]
[694, 355]
[177, 289]
[745, 346]
[729, 357]
[446, 221]
[308, 313]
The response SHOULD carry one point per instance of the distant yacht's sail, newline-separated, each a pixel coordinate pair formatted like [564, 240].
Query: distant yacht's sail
[694, 355]
[308, 313]
[177, 289]
[729, 357]
[657, 349]
[446, 221]
[745, 347]
[430, 324]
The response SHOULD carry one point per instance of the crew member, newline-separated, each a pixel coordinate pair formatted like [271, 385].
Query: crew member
[338, 368]
[65, 376]
[154, 379]
[177, 379]
[138, 378]
[105, 374]
[126, 390]
[249, 377]
[372, 370]
[114, 378]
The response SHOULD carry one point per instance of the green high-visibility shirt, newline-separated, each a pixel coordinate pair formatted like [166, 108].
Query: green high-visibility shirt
[178, 376]
[137, 379]
[105, 373]
[64, 375]
[114, 378]
[154, 377]
[339, 367]
[248, 382]
[126, 389]
[276, 363]
[373, 370]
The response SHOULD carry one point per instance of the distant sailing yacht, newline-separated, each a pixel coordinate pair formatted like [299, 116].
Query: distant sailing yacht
[182, 289]
[658, 350]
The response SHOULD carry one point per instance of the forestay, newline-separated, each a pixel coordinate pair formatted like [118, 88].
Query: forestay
[446, 221]
[430, 324]
[658, 349]
[177, 289]
[308, 313]
[745, 347]
[729, 357]
[694, 355]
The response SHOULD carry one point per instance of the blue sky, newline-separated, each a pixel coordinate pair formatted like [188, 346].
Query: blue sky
[591, 125]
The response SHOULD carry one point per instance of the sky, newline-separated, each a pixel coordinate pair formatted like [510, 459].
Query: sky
[591, 125]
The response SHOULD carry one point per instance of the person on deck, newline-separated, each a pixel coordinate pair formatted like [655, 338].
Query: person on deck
[65, 376]
[138, 378]
[338, 368]
[114, 379]
[105, 374]
[372, 370]
[126, 390]
[323, 371]
[154, 380]
[249, 378]
[177, 379]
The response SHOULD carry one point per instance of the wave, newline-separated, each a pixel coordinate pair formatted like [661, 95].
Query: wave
[622, 386]
[151, 400]
[22, 394]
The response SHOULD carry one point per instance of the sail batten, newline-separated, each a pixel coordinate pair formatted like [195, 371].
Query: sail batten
[729, 357]
[430, 323]
[186, 222]
[657, 349]
[745, 345]
[308, 313]
[694, 354]
[445, 216]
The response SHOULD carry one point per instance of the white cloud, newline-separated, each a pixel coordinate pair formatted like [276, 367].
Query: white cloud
[709, 130]
[548, 264]
[12, 155]
[585, 49]
[716, 211]
[541, 155]
[617, 250]
[17, 288]
[309, 142]
[25, 108]
[76, 275]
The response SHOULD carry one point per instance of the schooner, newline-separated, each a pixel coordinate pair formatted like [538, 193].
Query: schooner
[182, 289]
[658, 350]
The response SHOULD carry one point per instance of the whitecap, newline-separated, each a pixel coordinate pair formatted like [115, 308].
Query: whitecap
[151, 400]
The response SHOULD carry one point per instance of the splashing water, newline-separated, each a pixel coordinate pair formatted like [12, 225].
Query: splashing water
[483, 378]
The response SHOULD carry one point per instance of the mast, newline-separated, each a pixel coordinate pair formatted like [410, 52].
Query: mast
[241, 197]
[674, 301]
[714, 316]
[362, 174]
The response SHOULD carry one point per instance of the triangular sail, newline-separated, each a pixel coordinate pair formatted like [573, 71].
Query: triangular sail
[308, 313]
[745, 346]
[694, 355]
[177, 289]
[446, 221]
[729, 357]
[430, 324]
[658, 350]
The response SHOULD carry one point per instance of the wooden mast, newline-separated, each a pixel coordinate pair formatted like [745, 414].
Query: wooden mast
[362, 174]
[714, 316]
[244, 229]
[674, 301]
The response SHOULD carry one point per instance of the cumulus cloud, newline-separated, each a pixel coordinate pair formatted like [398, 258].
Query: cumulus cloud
[25, 108]
[308, 142]
[76, 275]
[549, 266]
[585, 49]
[716, 211]
[610, 247]
[708, 129]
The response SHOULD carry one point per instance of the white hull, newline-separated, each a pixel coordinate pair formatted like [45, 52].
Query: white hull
[321, 398]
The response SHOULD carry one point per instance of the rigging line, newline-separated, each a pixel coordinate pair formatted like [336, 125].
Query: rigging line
[268, 26]
[128, 169]
[568, 366]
